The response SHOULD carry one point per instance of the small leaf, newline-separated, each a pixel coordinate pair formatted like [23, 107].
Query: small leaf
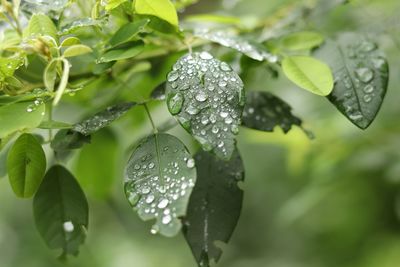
[264, 111]
[77, 50]
[26, 165]
[20, 116]
[118, 54]
[361, 76]
[66, 139]
[54, 125]
[9, 65]
[70, 41]
[98, 179]
[61, 210]
[79, 24]
[111, 4]
[207, 98]
[309, 73]
[41, 25]
[159, 178]
[50, 75]
[162, 9]
[103, 118]
[214, 206]
[127, 32]
[301, 41]
[229, 39]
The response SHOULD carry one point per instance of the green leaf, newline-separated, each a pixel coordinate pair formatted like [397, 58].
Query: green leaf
[229, 39]
[66, 139]
[162, 9]
[60, 210]
[70, 41]
[134, 49]
[26, 165]
[361, 76]
[20, 116]
[127, 32]
[301, 41]
[41, 25]
[77, 50]
[159, 178]
[103, 118]
[309, 73]
[158, 93]
[9, 65]
[54, 125]
[98, 179]
[214, 206]
[45, 6]
[207, 98]
[111, 4]
[79, 24]
[264, 111]
[50, 75]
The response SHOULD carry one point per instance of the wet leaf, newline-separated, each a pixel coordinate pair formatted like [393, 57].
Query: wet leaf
[247, 47]
[159, 92]
[41, 25]
[264, 111]
[76, 50]
[20, 116]
[26, 165]
[79, 24]
[361, 76]
[69, 41]
[9, 65]
[61, 211]
[134, 49]
[67, 139]
[45, 6]
[158, 181]
[103, 118]
[215, 205]
[308, 73]
[207, 98]
[162, 9]
[127, 32]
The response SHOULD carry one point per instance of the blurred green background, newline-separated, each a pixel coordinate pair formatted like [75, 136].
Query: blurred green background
[333, 201]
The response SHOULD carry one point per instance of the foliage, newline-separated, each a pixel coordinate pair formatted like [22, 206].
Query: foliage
[116, 59]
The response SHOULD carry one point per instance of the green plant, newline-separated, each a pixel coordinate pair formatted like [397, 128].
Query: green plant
[90, 53]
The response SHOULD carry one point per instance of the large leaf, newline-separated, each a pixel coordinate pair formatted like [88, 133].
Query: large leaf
[41, 25]
[20, 116]
[162, 9]
[159, 178]
[207, 98]
[128, 31]
[102, 119]
[26, 165]
[264, 111]
[309, 73]
[98, 179]
[61, 211]
[229, 39]
[214, 206]
[361, 77]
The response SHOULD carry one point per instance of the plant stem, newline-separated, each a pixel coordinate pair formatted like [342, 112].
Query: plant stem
[50, 118]
[150, 118]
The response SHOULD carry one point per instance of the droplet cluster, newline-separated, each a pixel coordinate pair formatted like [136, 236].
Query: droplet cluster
[207, 97]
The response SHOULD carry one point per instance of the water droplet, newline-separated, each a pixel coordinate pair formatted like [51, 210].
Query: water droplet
[205, 55]
[224, 114]
[163, 203]
[151, 165]
[173, 76]
[228, 120]
[166, 219]
[367, 46]
[225, 67]
[190, 163]
[145, 190]
[68, 226]
[215, 129]
[154, 229]
[367, 98]
[201, 96]
[150, 199]
[175, 102]
[192, 110]
[364, 74]
[369, 88]
[234, 129]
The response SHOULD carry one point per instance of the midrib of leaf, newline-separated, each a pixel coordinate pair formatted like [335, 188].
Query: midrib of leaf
[304, 74]
[342, 57]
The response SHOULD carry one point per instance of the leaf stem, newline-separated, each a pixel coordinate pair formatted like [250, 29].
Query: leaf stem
[150, 118]
[50, 118]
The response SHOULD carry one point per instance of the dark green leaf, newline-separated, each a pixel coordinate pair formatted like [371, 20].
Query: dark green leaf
[207, 98]
[26, 165]
[159, 92]
[264, 111]
[130, 51]
[214, 206]
[60, 210]
[159, 178]
[103, 118]
[128, 31]
[361, 77]
[68, 139]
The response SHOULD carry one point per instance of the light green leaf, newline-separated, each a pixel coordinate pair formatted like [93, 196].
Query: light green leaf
[162, 9]
[77, 50]
[111, 4]
[215, 205]
[61, 211]
[159, 178]
[123, 53]
[26, 165]
[50, 75]
[207, 98]
[302, 40]
[41, 25]
[54, 125]
[309, 73]
[361, 76]
[98, 179]
[20, 116]
[70, 41]
[103, 118]
[128, 31]
[8, 65]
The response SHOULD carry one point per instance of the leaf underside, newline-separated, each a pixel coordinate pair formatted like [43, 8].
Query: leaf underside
[361, 75]
[214, 206]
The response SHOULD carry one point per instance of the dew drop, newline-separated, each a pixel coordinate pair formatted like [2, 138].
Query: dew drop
[205, 55]
[68, 227]
[150, 199]
[166, 219]
[190, 163]
[225, 67]
[172, 76]
[364, 74]
[163, 203]
[175, 102]
[369, 88]
[201, 96]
